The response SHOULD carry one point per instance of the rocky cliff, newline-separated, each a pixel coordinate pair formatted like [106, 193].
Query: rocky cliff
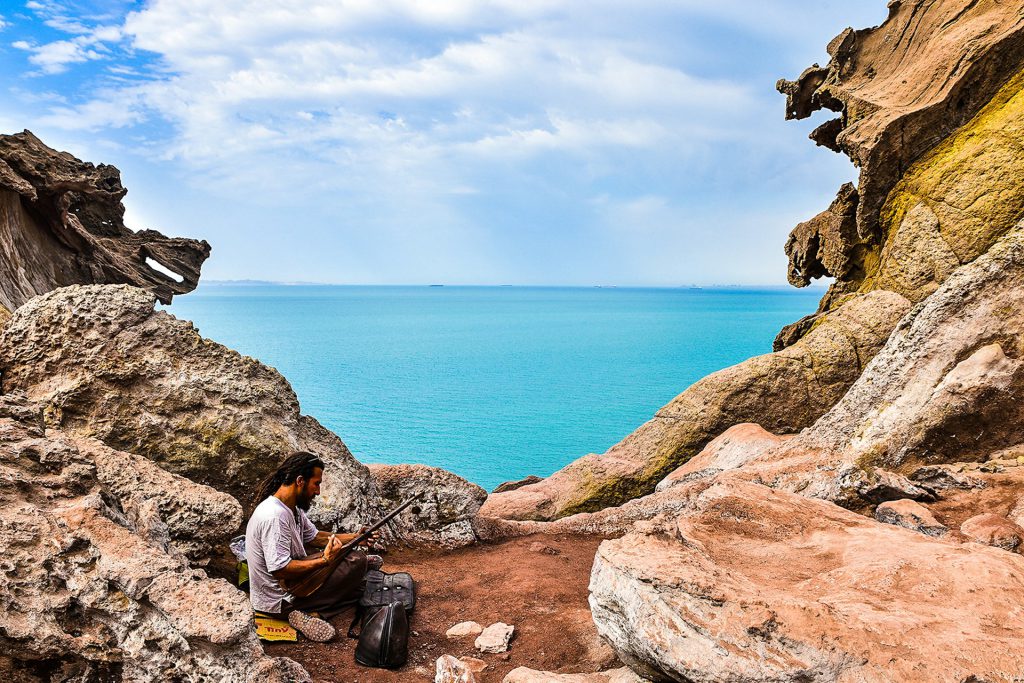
[130, 447]
[847, 508]
[930, 107]
[867, 528]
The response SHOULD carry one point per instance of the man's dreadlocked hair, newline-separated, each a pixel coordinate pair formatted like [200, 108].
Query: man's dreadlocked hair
[298, 464]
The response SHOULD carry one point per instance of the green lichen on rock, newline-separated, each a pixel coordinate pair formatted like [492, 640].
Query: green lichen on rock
[956, 201]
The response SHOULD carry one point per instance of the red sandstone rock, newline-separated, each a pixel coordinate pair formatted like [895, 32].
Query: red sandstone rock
[910, 515]
[995, 531]
[753, 584]
[730, 450]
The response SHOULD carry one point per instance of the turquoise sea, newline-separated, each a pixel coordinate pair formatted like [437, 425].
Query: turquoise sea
[493, 383]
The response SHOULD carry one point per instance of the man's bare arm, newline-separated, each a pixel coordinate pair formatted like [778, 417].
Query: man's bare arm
[321, 538]
[296, 569]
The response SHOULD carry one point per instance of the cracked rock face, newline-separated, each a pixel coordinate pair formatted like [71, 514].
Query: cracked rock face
[752, 584]
[103, 363]
[446, 503]
[62, 223]
[89, 592]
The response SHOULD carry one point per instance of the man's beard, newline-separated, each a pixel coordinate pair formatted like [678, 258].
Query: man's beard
[303, 501]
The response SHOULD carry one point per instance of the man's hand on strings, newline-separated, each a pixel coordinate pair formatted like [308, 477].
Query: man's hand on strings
[334, 545]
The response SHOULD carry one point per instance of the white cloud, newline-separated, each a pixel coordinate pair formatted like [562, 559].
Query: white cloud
[92, 116]
[365, 93]
[56, 56]
[404, 112]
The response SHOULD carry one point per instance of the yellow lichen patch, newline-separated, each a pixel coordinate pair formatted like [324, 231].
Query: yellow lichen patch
[956, 201]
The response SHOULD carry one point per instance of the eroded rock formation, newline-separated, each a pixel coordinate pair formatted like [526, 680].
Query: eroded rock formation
[62, 223]
[930, 104]
[97, 585]
[104, 363]
[445, 507]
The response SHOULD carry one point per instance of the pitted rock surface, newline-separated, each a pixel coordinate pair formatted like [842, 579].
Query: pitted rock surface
[446, 503]
[103, 363]
[87, 595]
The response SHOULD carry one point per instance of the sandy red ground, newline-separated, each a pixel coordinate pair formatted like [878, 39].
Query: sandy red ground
[536, 583]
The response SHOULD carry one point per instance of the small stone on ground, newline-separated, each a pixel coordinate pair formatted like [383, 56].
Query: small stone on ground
[451, 670]
[463, 629]
[475, 665]
[495, 638]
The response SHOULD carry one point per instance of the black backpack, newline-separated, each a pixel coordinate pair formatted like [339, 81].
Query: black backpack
[384, 609]
[384, 638]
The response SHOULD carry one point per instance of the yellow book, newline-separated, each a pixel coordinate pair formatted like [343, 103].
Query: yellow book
[272, 629]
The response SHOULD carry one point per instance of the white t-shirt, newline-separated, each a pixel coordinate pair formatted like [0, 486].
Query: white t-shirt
[274, 537]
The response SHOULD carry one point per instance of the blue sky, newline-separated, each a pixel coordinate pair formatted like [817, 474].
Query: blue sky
[442, 141]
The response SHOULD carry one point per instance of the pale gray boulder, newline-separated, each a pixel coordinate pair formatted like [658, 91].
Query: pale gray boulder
[102, 362]
[911, 515]
[445, 503]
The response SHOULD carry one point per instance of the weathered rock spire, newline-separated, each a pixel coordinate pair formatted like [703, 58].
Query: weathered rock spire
[62, 223]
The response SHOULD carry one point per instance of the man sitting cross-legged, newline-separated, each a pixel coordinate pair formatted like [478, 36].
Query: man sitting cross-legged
[277, 539]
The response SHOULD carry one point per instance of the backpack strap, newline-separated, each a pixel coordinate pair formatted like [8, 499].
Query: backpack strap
[352, 632]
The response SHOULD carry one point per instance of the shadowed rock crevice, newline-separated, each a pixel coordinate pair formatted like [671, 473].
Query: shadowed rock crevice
[62, 223]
